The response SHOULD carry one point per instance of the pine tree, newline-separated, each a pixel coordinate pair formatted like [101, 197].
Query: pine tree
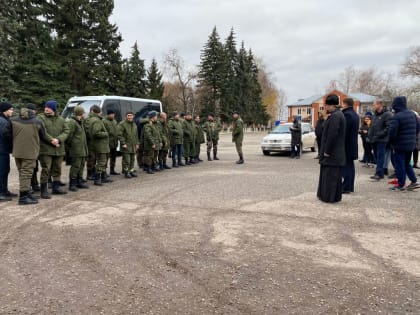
[154, 82]
[134, 75]
[210, 73]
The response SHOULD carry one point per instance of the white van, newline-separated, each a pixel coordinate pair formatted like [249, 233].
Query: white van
[119, 104]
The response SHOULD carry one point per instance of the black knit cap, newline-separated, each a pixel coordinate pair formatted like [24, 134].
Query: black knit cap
[4, 106]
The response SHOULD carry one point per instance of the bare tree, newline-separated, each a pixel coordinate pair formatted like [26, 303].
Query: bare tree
[411, 66]
[347, 79]
[183, 81]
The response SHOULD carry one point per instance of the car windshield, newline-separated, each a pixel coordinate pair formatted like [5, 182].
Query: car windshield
[281, 129]
[68, 111]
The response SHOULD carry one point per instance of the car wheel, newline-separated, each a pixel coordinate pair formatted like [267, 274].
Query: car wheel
[265, 152]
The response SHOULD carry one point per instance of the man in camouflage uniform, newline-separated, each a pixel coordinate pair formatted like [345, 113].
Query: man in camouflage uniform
[189, 139]
[199, 138]
[52, 151]
[212, 129]
[151, 142]
[111, 126]
[176, 134]
[155, 165]
[129, 140]
[98, 144]
[238, 135]
[77, 149]
[165, 136]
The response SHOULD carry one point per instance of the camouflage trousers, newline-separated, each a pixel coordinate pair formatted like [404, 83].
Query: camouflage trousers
[77, 167]
[51, 166]
[128, 162]
[212, 144]
[150, 157]
[239, 148]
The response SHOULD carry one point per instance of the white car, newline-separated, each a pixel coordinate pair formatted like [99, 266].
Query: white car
[280, 138]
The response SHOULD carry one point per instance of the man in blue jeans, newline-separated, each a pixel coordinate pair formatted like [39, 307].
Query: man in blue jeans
[402, 134]
[378, 135]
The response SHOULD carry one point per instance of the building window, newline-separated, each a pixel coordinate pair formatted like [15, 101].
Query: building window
[299, 111]
[309, 111]
[321, 108]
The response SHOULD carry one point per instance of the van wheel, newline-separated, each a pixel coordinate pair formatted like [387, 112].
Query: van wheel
[265, 152]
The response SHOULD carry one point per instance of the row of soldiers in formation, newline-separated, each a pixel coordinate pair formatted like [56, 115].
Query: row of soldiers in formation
[93, 140]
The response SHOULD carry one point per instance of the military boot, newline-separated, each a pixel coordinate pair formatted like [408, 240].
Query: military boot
[187, 161]
[241, 160]
[166, 166]
[91, 175]
[174, 164]
[180, 162]
[44, 191]
[3, 197]
[72, 184]
[215, 155]
[24, 199]
[192, 160]
[80, 184]
[56, 190]
[105, 179]
[149, 170]
[98, 180]
[209, 157]
[127, 174]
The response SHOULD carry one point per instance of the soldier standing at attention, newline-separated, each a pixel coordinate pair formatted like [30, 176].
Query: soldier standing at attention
[238, 135]
[176, 139]
[98, 144]
[52, 151]
[212, 129]
[150, 142]
[189, 139]
[129, 140]
[165, 136]
[77, 148]
[111, 126]
[199, 139]
[27, 132]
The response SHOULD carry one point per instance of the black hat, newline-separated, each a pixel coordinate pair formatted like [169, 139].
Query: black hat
[30, 106]
[235, 112]
[211, 114]
[174, 114]
[182, 114]
[110, 111]
[332, 99]
[4, 106]
[152, 114]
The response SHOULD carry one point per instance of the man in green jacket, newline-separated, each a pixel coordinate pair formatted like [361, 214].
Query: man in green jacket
[212, 129]
[238, 135]
[98, 144]
[129, 140]
[199, 138]
[111, 126]
[176, 135]
[162, 125]
[189, 139]
[52, 151]
[27, 133]
[77, 149]
[151, 142]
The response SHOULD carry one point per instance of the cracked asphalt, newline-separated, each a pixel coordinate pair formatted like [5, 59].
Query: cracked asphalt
[214, 238]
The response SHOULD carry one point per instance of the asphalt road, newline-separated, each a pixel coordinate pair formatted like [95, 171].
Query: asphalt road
[214, 238]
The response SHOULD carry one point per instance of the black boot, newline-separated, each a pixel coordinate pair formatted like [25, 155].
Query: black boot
[149, 170]
[241, 160]
[24, 199]
[161, 166]
[209, 157]
[187, 161]
[91, 175]
[192, 160]
[36, 187]
[165, 166]
[3, 197]
[174, 164]
[98, 180]
[72, 184]
[33, 197]
[132, 173]
[80, 184]
[105, 179]
[44, 191]
[155, 168]
[56, 190]
[127, 174]
[215, 155]
[113, 172]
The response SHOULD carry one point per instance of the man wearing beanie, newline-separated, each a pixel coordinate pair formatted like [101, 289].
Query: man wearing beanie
[129, 140]
[77, 149]
[28, 131]
[402, 136]
[332, 154]
[6, 111]
[52, 151]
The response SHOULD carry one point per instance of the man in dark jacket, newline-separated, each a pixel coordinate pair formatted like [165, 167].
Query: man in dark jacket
[318, 131]
[402, 135]
[351, 141]
[27, 133]
[332, 152]
[6, 111]
[296, 132]
[379, 137]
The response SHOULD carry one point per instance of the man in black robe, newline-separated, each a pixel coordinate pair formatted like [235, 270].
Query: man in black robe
[332, 152]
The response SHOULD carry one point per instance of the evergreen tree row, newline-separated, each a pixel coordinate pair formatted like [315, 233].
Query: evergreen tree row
[61, 48]
[228, 80]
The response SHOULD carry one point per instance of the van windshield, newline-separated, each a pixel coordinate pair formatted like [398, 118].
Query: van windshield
[68, 111]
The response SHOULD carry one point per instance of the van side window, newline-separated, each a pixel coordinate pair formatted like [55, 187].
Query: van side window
[125, 107]
[113, 105]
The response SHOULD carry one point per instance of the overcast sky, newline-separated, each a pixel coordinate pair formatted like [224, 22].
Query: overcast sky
[304, 44]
